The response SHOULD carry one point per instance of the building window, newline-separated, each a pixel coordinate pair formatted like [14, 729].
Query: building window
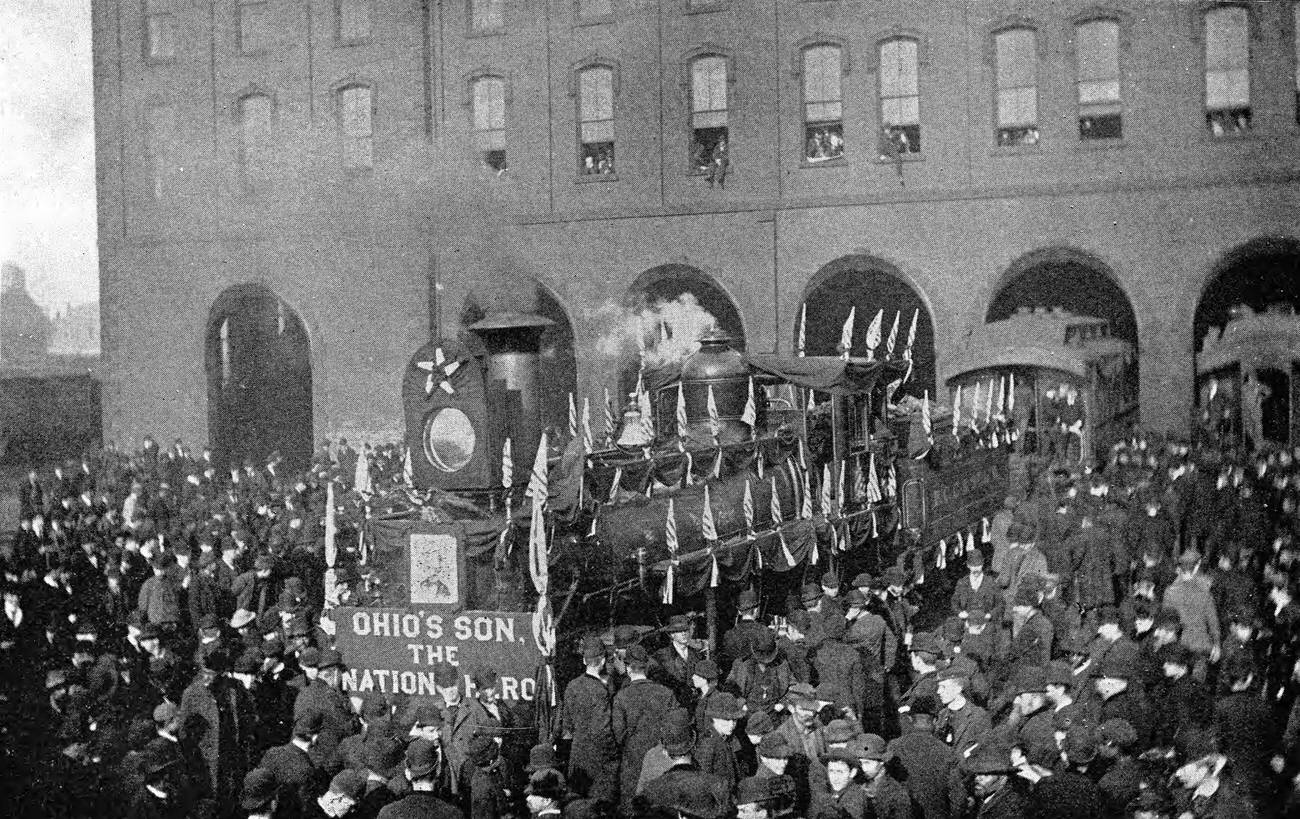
[356, 127]
[353, 20]
[594, 9]
[1227, 70]
[489, 105]
[1097, 62]
[1016, 67]
[708, 112]
[486, 15]
[900, 95]
[160, 134]
[255, 112]
[1295, 38]
[596, 120]
[159, 32]
[254, 28]
[823, 108]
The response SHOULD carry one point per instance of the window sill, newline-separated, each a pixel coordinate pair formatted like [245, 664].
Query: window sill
[1017, 150]
[480, 33]
[585, 22]
[591, 178]
[837, 162]
[919, 156]
[705, 8]
[1102, 144]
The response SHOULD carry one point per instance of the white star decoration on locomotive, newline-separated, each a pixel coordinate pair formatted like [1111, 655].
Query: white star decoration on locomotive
[442, 369]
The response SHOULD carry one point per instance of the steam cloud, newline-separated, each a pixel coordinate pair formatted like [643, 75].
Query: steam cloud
[669, 330]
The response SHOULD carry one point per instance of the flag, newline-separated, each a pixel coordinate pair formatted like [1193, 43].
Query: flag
[975, 407]
[926, 423]
[747, 507]
[807, 511]
[588, 441]
[688, 468]
[803, 326]
[873, 480]
[891, 483]
[361, 476]
[873, 334]
[826, 491]
[609, 420]
[670, 540]
[331, 527]
[941, 558]
[1011, 393]
[988, 404]
[846, 335]
[538, 553]
[408, 470]
[538, 481]
[573, 418]
[647, 412]
[893, 335]
[986, 533]
[715, 423]
[507, 465]
[956, 410]
[1002, 396]
[613, 487]
[683, 424]
[911, 339]
[839, 490]
[717, 463]
[750, 414]
[710, 534]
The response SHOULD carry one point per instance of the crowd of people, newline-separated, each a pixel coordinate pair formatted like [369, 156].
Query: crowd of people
[1122, 645]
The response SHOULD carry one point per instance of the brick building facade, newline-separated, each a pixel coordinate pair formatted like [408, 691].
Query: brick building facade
[378, 166]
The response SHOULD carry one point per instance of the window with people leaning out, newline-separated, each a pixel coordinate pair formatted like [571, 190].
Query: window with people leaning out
[900, 98]
[1016, 58]
[596, 121]
[1227, 71]
[709, 153]
[823, 113]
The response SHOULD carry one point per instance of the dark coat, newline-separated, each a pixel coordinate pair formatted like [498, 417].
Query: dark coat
[1131, 705]
[891, 800]
[297, 780]
[218, 732]
[716, 755]
[661, 793]
[638, 714]
[588, 719]
[1032, 645]
[333, 705]
[1005, 804]
[420, 806]
[1065, 795]
[927, 763]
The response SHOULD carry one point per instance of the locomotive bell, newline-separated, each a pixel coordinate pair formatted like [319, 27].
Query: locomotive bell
[719, 366]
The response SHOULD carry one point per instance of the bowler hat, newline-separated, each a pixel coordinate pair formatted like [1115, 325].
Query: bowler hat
[842, 753]
[989, 761]
[706, 670]
[926, 643]
[1030, 680]
[1080, 744]
[309, 657]
[839, 731]
[810, 593]
[1177, 654]
[383, 754]
[862, 580]
[894, 576]
[869, 746]
[637, 657]
[747, 600]
[775, 746]
[350, 783]
[308, 724]
[975, 558]
[428, 715]
[677, 624]
[855, 599]
[830, 580]
[696, 802]
[724, 706]
[421, 758]
[540, 758]
[592, 648]
[753, 791]
[259, 789]
[925, 704]
[764, 646]
[625, 636]
[759, 724]
[677, 739]
[331, 658]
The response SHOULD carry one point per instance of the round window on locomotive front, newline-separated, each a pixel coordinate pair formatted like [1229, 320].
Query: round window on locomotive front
[449, 439]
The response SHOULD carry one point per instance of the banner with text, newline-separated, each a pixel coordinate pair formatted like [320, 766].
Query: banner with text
[416, 650]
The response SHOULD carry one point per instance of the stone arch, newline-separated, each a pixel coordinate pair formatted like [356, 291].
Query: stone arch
[1069, 278]
[677, 302]
[869, 284]
[1258, 273]
[257, 357]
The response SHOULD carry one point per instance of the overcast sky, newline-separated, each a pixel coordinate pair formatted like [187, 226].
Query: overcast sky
[47, 150]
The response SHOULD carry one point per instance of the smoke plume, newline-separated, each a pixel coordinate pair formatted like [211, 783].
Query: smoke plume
[668, 331]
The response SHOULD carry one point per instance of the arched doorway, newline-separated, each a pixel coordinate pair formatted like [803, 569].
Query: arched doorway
[1070, 279]
[258, 360]
[668, 308]
[1262, 382]
[869, 285]
[1258, 274]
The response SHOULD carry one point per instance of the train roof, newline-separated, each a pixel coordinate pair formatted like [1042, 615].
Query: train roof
[1051, 339]
[1269, 338]
[823, 373]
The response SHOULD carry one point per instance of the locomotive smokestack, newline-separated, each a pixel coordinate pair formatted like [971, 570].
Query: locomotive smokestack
[513, 341]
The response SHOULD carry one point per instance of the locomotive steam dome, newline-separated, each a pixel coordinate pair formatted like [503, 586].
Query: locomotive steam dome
[719, 366]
